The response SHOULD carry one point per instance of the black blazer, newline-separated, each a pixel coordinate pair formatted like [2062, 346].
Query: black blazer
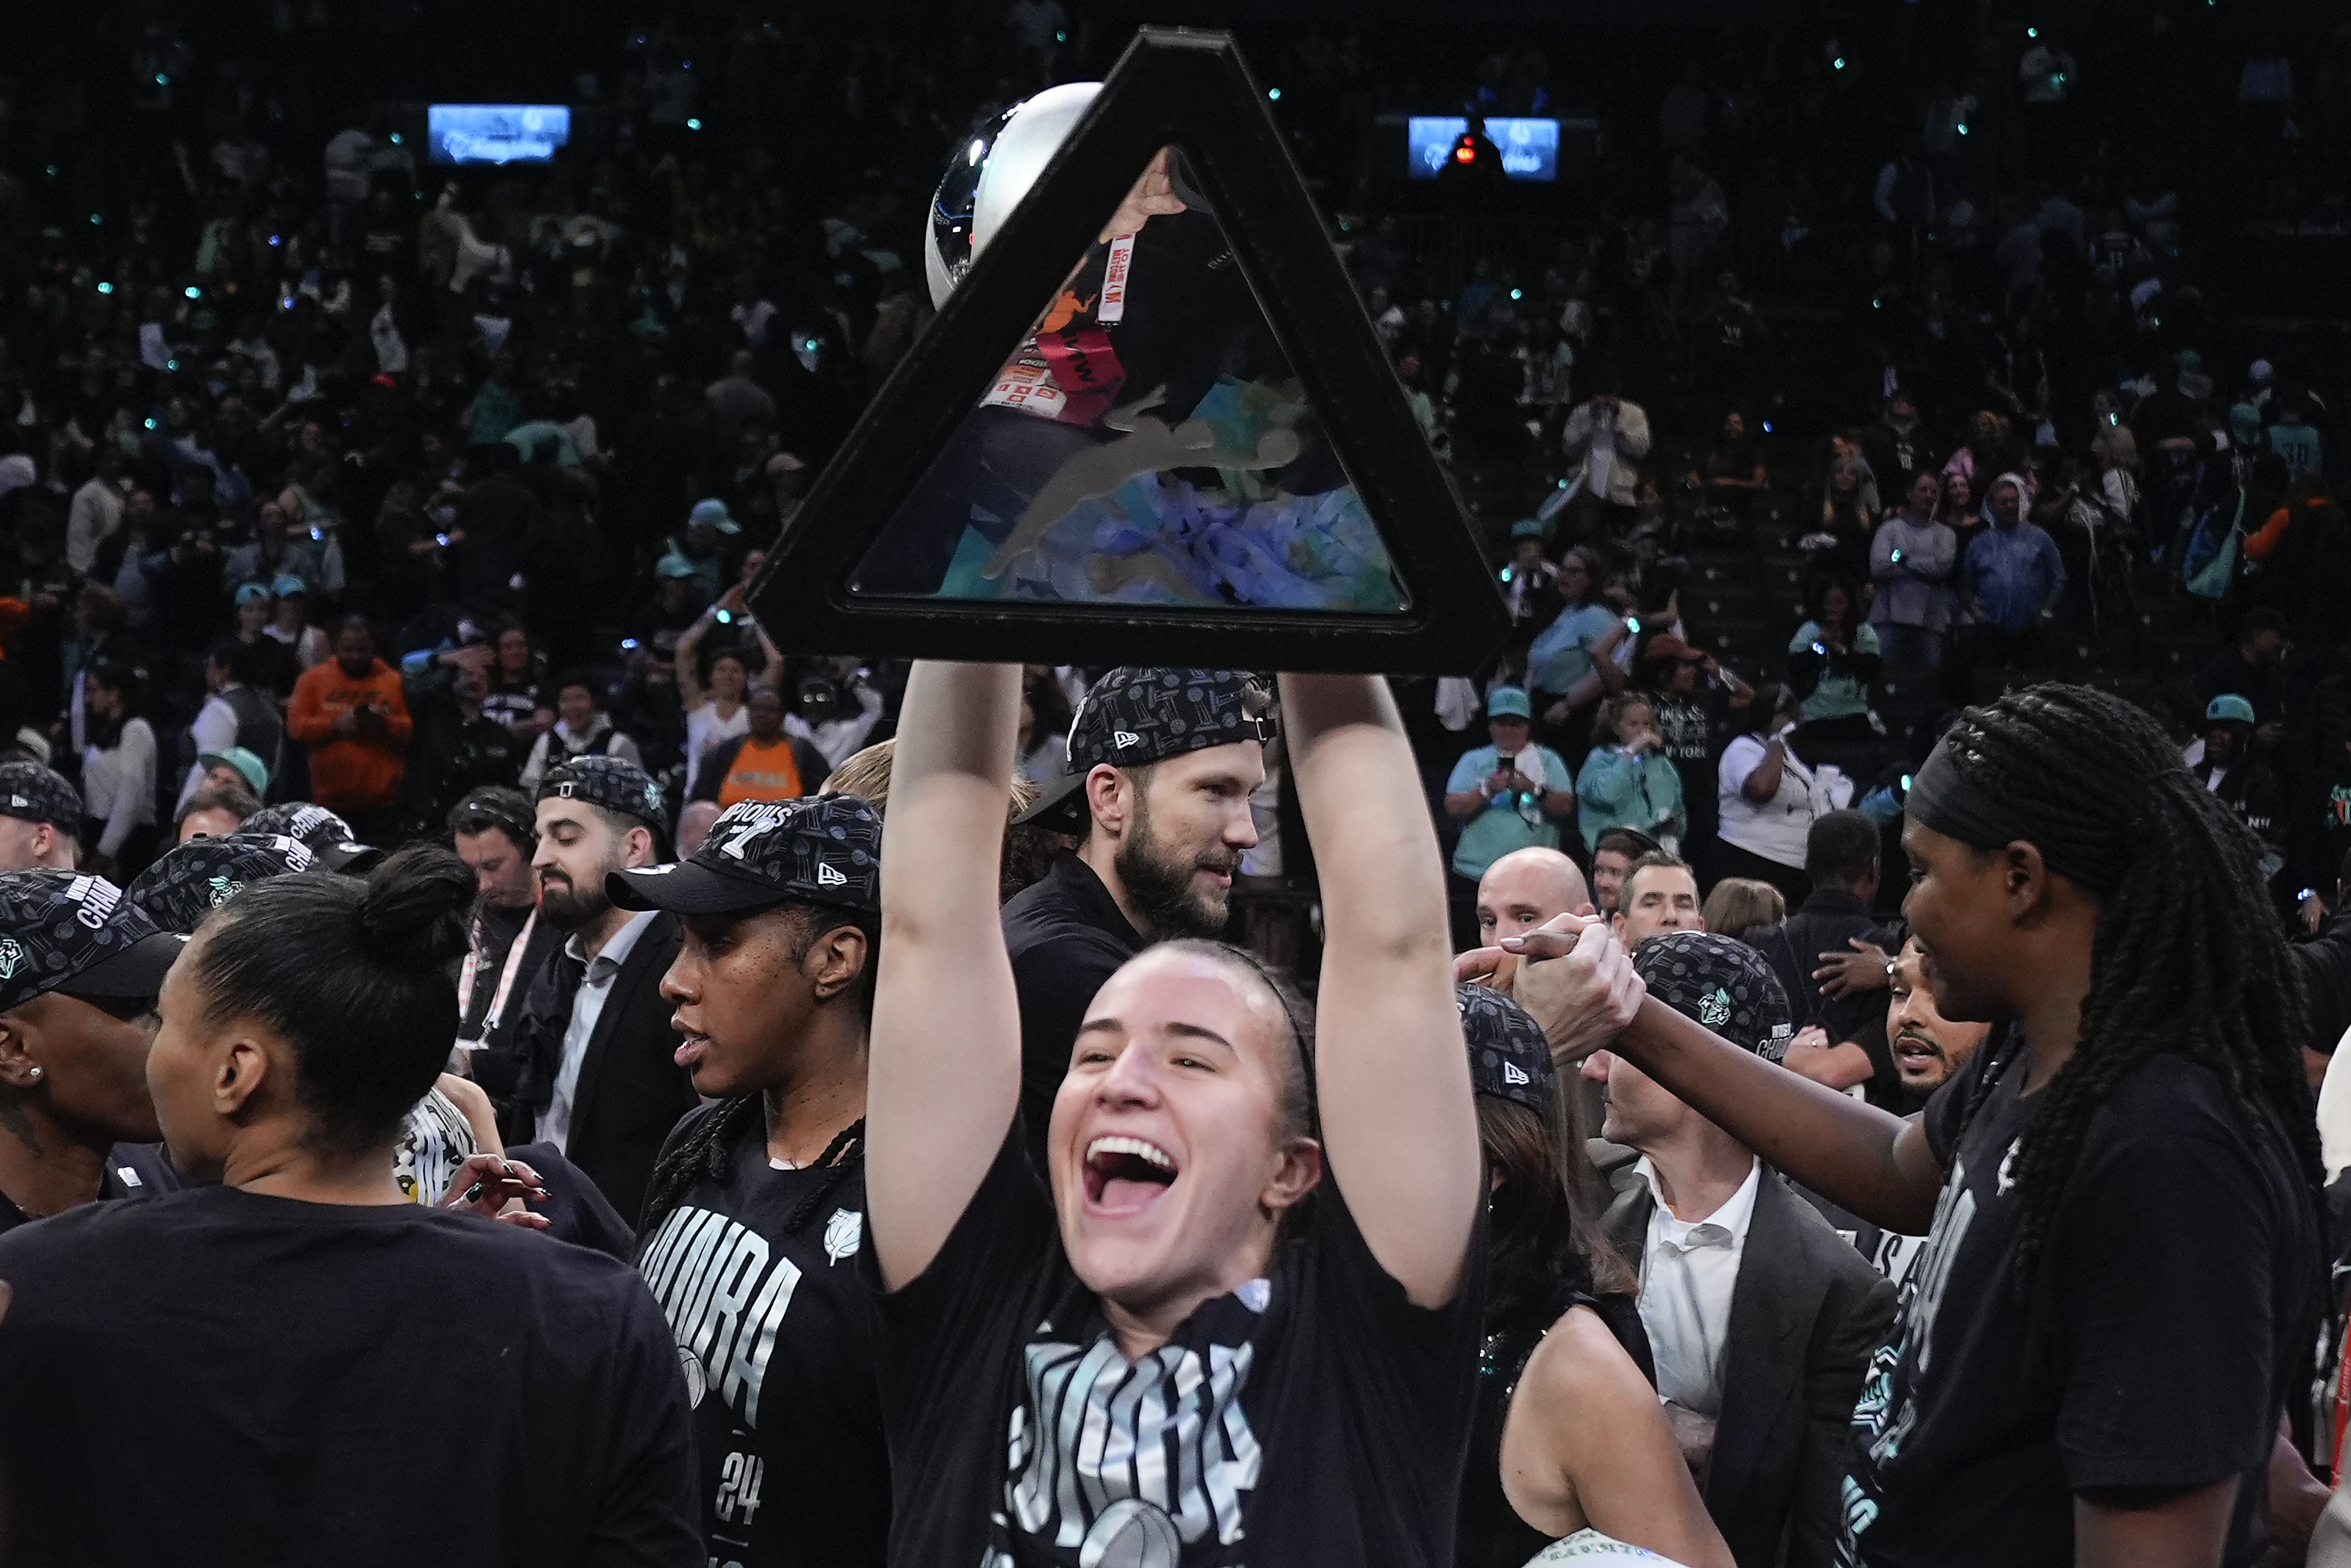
[630, 1092]
[1806, 1315]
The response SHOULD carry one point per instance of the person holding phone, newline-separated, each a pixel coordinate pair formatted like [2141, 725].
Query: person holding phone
[1510, 794]
[1764, 798]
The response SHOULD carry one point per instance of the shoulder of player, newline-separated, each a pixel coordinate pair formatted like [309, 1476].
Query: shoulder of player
[2169, 1108]
[1579, 1383]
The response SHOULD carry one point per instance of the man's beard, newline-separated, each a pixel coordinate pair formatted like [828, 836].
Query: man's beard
[569, 908]
[1160, 886]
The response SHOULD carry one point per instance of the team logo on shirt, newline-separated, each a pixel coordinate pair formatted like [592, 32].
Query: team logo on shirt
[842, 1232]
[1129, 1462]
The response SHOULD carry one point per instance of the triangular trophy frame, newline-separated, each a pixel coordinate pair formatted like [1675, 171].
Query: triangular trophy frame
[1189, 89]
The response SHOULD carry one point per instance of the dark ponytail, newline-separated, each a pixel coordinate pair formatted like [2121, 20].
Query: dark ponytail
[355, 975]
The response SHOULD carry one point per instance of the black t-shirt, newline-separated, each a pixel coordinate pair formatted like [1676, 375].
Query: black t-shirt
[1066, 936]
[776, 1340]
[133, 1171]
[2177, 1294]
[220, 1376]
[1314, 1418]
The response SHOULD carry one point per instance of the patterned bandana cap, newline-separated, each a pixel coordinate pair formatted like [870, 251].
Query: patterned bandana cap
[1508, 1056]
[34, 794]
[323, 833]
[1723, 984]
[189, 882]
[1136, 715]
[610, 783]
[826, 849]
[60, 930]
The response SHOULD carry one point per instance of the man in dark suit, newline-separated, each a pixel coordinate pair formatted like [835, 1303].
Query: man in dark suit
[1762, 1321]
[600, 1079]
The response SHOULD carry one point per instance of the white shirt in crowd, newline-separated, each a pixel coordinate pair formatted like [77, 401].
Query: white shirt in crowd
[119, 784]
[705, 731]
[839, 739]
[96, 513]
[1776, 830]
[587, 1006]
[1689, 1270]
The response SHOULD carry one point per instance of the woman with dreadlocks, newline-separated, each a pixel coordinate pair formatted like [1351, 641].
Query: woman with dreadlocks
[2122, 1270]
[757, 1200]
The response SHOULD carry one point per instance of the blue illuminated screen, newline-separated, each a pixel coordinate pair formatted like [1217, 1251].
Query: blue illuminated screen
[496, 132]
[1529, 147]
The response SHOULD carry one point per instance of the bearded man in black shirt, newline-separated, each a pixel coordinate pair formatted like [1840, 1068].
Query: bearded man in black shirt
[2122, 1266]
[1161, 765]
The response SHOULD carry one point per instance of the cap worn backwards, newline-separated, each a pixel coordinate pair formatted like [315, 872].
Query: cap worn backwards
[1723, 984]
[62, 930]
[826, 849]
[33, 793]
[1508, 1056]
[611, 782]
[1136, 715]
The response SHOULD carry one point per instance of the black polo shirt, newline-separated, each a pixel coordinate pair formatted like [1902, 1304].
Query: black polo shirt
[1067, 936]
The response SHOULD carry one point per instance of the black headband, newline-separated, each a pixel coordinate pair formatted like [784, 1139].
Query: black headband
[1944, 798]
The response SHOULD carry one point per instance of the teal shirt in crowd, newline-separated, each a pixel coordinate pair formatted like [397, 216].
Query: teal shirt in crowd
[1618, 790]
[1837, 695]
[1501, 826]
[1561, 654]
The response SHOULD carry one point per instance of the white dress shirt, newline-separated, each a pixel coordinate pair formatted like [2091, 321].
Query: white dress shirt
[1688, 1271]
[587, 1006]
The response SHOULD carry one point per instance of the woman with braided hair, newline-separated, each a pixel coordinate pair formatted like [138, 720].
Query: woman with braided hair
[757, 1200]
[2122, 1271]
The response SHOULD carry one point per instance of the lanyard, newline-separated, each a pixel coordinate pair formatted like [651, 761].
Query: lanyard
[506, 978]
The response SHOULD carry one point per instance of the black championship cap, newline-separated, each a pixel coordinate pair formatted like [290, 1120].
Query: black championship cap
[1723, 984]
[33, 793]
[1508, 1056]
[63, 931]
[608, 781]
[826, 849]
[327, 836]
[1137, 716]
[189, 882]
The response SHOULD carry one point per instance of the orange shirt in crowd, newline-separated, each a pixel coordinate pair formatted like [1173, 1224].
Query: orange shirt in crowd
[354, 771]
[762, 770]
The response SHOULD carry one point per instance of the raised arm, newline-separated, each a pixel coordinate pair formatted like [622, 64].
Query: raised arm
[1856, 1156]
[944, 1075]
[1398, 1134]
[689, 659]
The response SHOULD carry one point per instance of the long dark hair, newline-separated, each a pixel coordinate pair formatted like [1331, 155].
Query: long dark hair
[355, 975]
[1543, 1227]
[2188, 955]
[707, 1152]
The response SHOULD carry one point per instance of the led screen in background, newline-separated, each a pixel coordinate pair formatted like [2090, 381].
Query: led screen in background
[496, 132]
[1530, 148]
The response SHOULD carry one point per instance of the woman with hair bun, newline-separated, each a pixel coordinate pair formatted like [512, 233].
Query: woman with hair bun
[314, 1358]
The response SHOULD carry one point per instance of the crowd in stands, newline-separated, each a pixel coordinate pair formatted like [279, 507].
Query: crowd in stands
[380, 652]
